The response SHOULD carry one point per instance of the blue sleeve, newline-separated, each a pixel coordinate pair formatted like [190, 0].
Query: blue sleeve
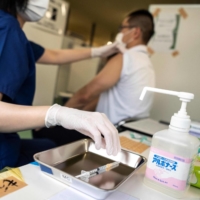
[37, 50]
[13, 57]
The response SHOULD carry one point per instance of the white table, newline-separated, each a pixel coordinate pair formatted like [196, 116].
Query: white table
[40, 186]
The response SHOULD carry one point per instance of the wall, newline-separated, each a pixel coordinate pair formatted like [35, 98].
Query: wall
[180, 72]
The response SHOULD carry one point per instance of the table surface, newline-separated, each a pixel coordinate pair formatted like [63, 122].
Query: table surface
[41, 186]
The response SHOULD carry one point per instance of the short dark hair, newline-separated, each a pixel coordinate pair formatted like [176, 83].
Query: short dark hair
[144, 20]
[12, 5]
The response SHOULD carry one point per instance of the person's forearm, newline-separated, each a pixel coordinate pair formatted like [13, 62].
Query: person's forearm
[17, 118]
[76, 101]
[80, 99]
[64, 56]
[91, 106]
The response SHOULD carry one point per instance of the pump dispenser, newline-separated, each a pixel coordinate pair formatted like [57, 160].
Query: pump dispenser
[172, 151]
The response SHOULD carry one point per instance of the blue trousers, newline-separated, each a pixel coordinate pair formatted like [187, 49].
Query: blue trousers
[15, 152]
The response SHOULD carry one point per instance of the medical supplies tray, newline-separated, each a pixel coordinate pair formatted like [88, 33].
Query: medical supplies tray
[65, 162]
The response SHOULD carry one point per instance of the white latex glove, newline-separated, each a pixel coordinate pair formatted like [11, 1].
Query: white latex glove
[92, 124]
[122, 48]
[105, 51]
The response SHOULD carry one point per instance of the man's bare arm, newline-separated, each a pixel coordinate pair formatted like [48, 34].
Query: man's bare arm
[106, 79]
[91, 106]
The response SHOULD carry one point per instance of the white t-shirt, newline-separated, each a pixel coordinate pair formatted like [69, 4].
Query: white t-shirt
[122, 100]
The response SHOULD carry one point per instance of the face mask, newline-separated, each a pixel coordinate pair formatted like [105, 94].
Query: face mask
[121, 45]
[119, 39]
[35, 10]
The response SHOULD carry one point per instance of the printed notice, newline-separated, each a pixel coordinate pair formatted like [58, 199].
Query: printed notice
[166, 29]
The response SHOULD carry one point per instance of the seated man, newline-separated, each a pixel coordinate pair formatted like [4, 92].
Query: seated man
[115, 91]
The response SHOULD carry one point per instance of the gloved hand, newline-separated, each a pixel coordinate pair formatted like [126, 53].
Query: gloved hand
[91, 124]
[121, 48]
[104, 51]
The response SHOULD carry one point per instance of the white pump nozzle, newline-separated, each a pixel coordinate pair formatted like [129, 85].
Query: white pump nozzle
[181, 95]
[180, 121]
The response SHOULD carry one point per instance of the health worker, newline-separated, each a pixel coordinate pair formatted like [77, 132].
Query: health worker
[17, 85]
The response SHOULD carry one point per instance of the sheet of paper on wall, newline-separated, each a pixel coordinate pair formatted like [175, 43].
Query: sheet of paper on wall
[72, 194]
[166, 29]
[163, 40]
[166, 21]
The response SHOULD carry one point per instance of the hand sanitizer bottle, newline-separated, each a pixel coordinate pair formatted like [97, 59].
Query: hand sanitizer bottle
[172, 151]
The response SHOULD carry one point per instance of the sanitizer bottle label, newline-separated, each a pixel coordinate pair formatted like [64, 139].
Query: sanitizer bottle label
[168, 169]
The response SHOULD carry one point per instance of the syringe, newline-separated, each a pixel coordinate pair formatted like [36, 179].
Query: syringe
[85, 175]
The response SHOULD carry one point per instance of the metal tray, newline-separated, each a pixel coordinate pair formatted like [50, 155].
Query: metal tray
[65, 162]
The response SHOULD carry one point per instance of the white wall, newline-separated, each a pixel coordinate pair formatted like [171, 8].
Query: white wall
[179, 73]
[46, 75]
[82, 72]
[49, 33]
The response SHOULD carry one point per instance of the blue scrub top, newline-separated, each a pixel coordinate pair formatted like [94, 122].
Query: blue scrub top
[17, 78]
[17, 62]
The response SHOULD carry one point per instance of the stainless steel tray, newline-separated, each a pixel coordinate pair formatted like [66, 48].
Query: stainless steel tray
[65, 162]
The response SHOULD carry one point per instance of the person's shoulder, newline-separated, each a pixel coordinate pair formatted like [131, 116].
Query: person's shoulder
[116, 58]
[138, 52]
[114, 61]
[8, 22]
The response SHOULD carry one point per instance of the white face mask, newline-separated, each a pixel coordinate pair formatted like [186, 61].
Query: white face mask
[121, 44]
[119, 38]
[35, 10]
